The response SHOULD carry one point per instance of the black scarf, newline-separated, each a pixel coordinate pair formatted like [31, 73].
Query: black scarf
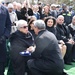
[27, 38]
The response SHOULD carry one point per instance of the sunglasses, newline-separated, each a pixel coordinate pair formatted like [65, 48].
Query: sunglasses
[24, 27]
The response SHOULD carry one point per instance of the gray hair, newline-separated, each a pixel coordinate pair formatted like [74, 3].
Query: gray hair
[21, 23]
[40, 24]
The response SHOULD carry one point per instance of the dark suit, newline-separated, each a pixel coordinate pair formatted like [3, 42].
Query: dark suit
[47, 57]
[5, 27]
[64, 34]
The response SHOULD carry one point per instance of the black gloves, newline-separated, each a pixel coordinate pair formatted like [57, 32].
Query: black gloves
[2, 39]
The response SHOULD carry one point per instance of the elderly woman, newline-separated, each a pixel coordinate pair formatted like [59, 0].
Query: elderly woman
[20, 41]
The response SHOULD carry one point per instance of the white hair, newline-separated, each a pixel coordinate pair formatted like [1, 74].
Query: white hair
[21, 23]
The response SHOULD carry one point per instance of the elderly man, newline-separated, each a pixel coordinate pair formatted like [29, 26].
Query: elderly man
[20, 41]
[47, 59]
[64, 34]
[5, 28]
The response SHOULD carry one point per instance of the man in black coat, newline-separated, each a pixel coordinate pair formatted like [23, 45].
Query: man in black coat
[47, 58]
[5, 28]
[64, 34]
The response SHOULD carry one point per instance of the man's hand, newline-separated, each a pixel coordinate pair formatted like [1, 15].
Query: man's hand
[31, 49]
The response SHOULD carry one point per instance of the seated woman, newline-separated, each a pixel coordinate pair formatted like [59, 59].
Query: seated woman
[20, 41]
[31, 25]
[50, 26]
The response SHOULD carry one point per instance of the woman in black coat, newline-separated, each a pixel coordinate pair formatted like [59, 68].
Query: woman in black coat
[31, 25]
[20, 41]
[50, 26]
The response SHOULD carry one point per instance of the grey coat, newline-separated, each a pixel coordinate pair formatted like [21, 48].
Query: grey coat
[47, 56]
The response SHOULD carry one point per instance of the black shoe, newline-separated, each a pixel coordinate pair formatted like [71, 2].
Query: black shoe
[68, 63]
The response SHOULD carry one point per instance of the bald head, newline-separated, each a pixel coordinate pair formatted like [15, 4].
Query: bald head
[60, 19]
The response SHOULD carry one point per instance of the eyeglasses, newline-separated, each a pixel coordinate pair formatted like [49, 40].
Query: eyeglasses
[24, 27]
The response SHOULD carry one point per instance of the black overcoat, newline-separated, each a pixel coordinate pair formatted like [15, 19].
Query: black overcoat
[5, 28]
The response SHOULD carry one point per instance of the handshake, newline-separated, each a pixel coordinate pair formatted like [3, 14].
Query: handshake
[28, 51]
[31, 49]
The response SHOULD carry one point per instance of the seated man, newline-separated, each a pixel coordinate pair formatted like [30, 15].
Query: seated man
[47, 58]
[64, 34]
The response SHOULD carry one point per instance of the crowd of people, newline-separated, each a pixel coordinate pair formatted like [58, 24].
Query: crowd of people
[47, 32]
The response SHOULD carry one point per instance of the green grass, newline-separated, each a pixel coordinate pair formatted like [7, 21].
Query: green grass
[69, 69]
